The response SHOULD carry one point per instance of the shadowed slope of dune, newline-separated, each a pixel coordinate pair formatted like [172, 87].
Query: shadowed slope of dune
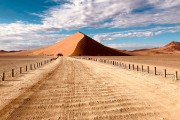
[88, 46]
[78, 44]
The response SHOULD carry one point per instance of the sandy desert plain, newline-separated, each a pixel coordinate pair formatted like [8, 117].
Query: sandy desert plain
[70, 88]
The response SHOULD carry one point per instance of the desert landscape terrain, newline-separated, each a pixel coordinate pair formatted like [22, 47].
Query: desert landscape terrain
[9, 62]
[79, 86]
[71, 88]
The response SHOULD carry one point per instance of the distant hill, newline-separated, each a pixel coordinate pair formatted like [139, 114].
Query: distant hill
[171, 48]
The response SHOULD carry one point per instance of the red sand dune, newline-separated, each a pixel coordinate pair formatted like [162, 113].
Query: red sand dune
[78, 44]
[171, 48]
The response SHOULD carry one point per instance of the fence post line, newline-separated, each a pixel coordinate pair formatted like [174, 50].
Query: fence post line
[12, 72]
[155, 71]
[165, 73]
[3, 77]
[176, 75]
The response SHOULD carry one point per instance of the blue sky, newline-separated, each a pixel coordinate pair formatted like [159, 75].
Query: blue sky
[122, 24]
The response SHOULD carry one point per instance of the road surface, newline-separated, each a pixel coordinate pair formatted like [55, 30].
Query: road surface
[87, 90]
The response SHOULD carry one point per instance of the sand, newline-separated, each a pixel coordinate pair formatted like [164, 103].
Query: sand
[77, 44]
[10, 90]
[168, 62]
[81, 89]
[7, 63]
[172, 48]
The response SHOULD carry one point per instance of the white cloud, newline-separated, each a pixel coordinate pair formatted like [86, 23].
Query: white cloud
[17, 36]
[133, 46]
[118, 13]
[87, 13]
[135, 33]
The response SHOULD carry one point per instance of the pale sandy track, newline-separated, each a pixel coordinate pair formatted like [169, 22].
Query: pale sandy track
[83, 90]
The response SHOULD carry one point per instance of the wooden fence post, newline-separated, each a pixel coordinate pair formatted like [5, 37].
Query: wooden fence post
[12, 72]
[20, 70]
[133, 66]
[31, 67]
[26, 68]
[176, 75]
[148, 69]
[129, 66]
[155, 71]
[137, 68]
[142, 68]
[165, 73]
[3, 77]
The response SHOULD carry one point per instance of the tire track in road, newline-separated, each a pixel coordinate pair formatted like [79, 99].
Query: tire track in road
[77, 92]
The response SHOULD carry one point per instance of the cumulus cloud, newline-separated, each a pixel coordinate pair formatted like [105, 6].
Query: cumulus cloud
[133, 46]
[135, 33]
[19, 35]
[112, 13]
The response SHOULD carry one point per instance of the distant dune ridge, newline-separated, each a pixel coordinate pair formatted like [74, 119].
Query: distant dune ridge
[79, 44]
[171, 48]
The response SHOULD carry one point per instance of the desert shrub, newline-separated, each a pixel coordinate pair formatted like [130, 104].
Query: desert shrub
[59, 54]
